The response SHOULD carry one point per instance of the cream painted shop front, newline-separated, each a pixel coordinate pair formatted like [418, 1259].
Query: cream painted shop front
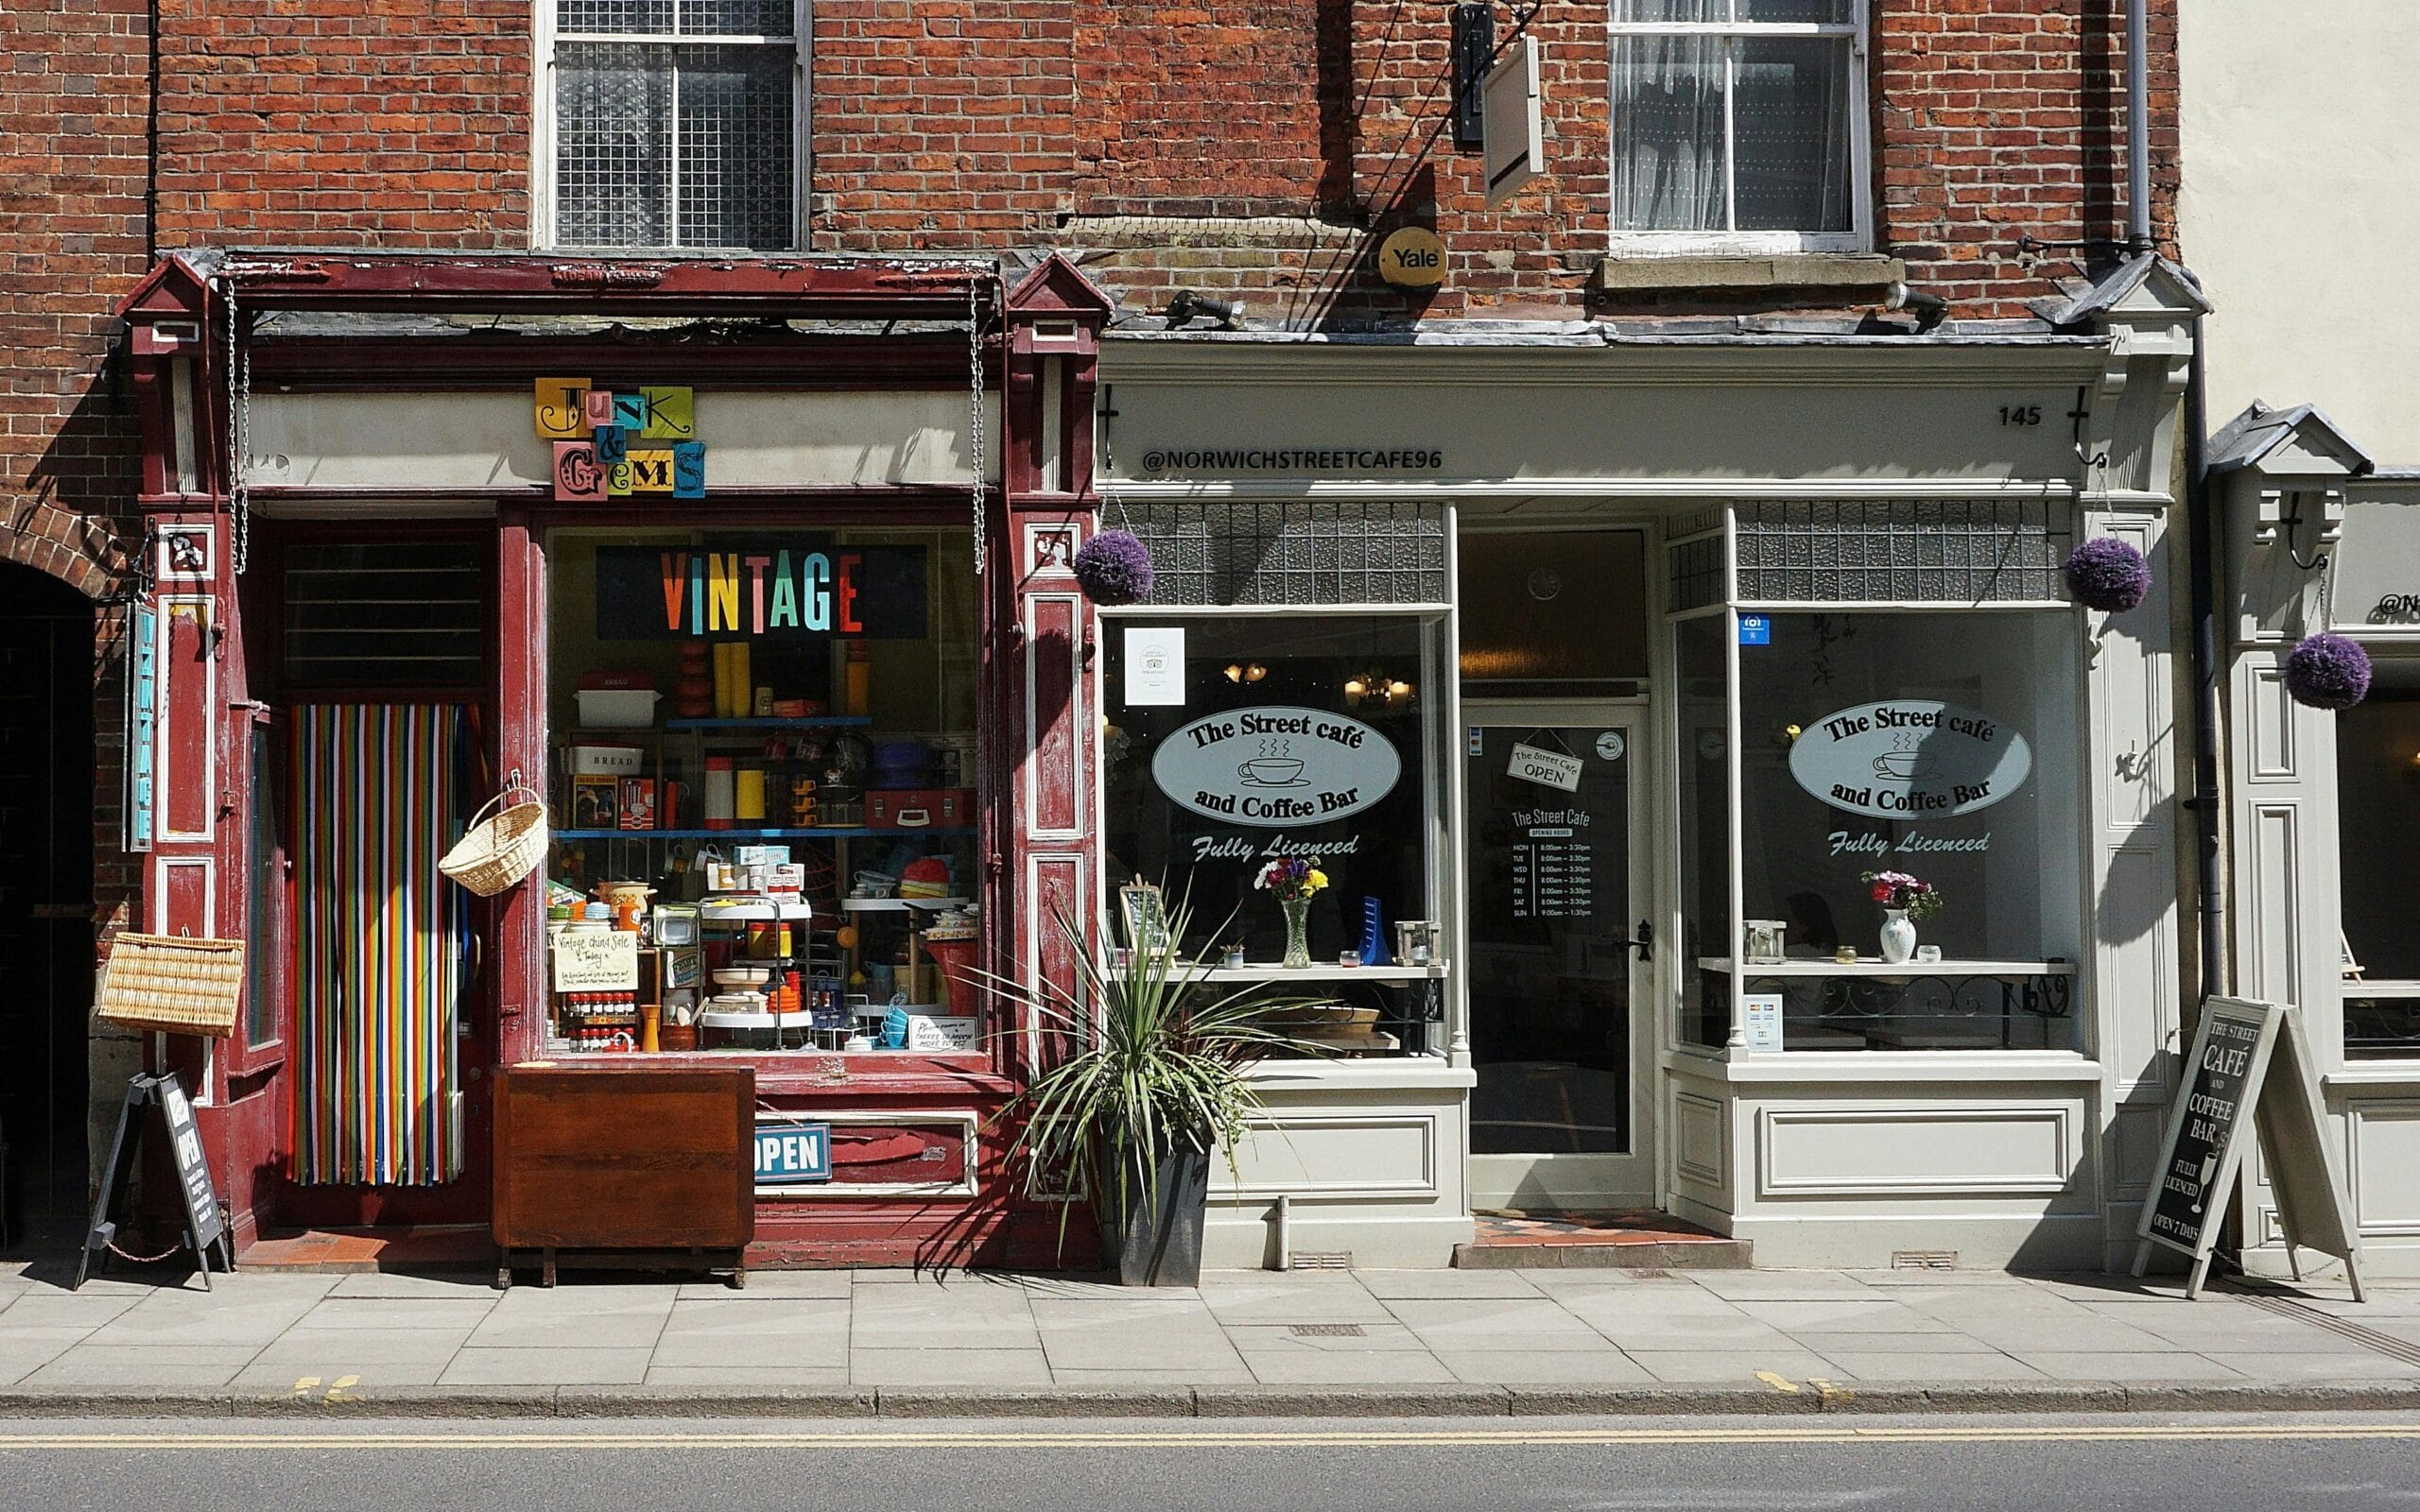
[1675, 640]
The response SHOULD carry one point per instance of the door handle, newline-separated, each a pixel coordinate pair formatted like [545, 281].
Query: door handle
[1645, 943]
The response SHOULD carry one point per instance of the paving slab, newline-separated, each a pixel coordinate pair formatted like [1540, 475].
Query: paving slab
[2353, 1365]
[1361, 1367]
[931, 1368]
[1781, 1286]
[1830, 1345]
[54, 1310]
[273, 1372]
[904, 1318]
[1235, 1375]
[323, 1351]
[1513, 1366]
[1842, 1316]
[542, 1367]
[1174, 1341]
[605, 1323]
[746, 1377]
[397, 1312]
[1874, 1365]
[460, 1285]
[2068, 1365]
[162, 1364]
[745, 1335]
[1734, 1366]
[23, 1352]
[1280, 1338]
[254, 1319]
[1339, 1301]
[1392, 1284]
[1492, 1324]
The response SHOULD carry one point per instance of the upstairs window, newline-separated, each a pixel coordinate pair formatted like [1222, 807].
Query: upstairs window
[1739, 124]
[674, 123]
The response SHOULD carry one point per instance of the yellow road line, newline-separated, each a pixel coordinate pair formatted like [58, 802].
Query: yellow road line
[842, 1437]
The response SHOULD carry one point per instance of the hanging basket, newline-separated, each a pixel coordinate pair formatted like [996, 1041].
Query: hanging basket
[172, 983]
[2328, 671]
[2108, 575]
[1113, 567]
[500, 848]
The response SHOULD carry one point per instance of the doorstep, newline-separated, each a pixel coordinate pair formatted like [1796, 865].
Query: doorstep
[1634, 1239]
[366, 1251]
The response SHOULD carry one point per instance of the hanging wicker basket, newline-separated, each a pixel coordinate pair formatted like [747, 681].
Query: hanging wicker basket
[172, 983]
[500, 848]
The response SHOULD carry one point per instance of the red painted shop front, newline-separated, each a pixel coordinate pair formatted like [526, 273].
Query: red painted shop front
[699, 555]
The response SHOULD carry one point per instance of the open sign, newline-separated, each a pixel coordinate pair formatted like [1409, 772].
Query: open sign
[793, 1154]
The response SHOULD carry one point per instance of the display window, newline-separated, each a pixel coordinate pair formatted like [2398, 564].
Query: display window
[1233, 743]
[764, 780]
[1909, 866]
[2378, 806]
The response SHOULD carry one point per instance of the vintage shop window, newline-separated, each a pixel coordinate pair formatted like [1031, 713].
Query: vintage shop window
[1739, 123]
[1703, 704]
[674, 123]
[772, 729]
[2377, 807]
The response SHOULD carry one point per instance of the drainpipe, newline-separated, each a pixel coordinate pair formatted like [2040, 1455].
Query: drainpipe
[2210, 673]
[2138, 130]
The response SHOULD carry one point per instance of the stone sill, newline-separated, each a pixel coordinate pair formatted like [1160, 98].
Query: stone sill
[1842, 274]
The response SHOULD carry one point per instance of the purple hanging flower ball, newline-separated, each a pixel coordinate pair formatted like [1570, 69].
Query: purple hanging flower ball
[2328, 672]
[2107, 573]
[1115, 568]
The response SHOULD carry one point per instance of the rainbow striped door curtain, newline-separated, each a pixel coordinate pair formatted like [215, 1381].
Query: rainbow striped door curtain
[377, 931]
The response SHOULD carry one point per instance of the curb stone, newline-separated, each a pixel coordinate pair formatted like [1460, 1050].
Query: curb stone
[1230, 1402]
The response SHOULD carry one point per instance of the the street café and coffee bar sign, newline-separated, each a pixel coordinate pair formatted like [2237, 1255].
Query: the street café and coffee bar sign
[1276, 766]
[1909, 758]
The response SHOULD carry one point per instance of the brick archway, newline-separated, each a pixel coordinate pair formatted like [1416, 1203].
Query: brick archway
[78, 549]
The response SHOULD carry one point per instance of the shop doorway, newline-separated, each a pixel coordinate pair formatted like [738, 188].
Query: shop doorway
[1557, 949]
[45, 889]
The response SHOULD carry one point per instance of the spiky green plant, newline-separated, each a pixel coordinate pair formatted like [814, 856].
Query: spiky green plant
[1156, 1064]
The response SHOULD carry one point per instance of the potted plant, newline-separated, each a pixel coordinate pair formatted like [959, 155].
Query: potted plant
[1152, 1085]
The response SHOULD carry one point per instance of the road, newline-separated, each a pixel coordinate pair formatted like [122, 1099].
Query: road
[1937, 1463]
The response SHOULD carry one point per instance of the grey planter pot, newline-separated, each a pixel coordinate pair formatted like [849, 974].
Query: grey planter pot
[1156, 1238]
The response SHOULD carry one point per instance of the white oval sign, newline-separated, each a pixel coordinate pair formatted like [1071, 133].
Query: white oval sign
[1909, 758]
[1278, 765]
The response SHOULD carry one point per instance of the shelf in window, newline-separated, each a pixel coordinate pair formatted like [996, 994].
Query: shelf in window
[804, 722]
[762, 834]
[1383, 975]
[1873, 965]
[885, 905]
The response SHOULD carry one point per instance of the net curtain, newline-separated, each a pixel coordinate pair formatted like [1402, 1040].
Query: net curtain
[377, 938]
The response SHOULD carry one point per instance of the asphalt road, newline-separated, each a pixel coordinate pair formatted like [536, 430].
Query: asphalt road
[1939, 1464]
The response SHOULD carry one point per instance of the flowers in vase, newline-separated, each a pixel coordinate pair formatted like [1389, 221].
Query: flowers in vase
[1293, 879]
[1896, 889]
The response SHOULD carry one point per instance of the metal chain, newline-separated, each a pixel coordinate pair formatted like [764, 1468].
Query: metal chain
[239, 425]
[974, 405]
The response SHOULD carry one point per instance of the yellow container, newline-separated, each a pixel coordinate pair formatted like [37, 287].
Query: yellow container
[747, 796]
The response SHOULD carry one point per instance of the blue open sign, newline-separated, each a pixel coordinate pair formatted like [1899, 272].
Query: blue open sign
[792, 1154]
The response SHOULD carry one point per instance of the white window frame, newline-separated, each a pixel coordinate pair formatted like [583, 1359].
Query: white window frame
[545, 39]
[1858, 238]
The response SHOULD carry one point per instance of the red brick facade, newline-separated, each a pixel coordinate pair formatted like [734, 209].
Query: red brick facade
[1255, 148]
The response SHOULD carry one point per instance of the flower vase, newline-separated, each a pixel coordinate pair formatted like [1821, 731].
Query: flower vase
[1899, 937]
[1298, 932]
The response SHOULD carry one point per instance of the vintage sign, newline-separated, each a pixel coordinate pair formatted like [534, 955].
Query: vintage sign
[1909, 758]
[793, 1153]
[1413, 258]
[1276, 766]
[610, 444]
[596, 961]
[1547, 768]
[797, 588]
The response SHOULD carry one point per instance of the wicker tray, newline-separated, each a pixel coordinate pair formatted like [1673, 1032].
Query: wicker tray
[172, 983]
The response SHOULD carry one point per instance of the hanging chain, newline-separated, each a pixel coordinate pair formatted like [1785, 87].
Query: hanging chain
[975, 405]
[239, 425]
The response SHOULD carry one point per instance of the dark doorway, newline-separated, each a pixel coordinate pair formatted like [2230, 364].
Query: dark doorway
[45, 889]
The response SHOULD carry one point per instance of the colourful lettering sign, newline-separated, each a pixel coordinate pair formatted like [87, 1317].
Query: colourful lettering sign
[562, 408]
[670, 415]
[579, 479]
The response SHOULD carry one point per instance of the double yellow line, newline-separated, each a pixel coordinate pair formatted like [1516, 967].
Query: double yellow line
[849, 1435]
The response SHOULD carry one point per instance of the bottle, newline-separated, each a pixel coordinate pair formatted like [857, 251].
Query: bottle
[859, 682]
[748, 798]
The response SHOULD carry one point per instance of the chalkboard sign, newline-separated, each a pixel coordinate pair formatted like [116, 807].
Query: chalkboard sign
[204, 1232]
[2251, 1068]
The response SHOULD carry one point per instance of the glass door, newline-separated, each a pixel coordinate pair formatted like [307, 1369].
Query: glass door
[1555, 951]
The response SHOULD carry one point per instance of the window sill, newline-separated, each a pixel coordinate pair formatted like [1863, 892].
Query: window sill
[1800, 1066]
[1868, 274]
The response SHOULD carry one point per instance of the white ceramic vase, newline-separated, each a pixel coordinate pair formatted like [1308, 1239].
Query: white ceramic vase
[1899, 937]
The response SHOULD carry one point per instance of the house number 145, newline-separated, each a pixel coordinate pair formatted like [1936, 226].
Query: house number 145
[2020, 413]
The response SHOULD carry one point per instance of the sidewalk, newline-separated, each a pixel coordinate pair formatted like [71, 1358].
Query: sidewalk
[1422, 1341]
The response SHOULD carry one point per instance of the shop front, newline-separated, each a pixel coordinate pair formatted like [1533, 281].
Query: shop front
[2320, 542]
[1683, 652]
[754, 575]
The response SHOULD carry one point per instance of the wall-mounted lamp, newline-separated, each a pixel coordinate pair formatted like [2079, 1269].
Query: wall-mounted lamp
[1375, 687]
[1246, 672]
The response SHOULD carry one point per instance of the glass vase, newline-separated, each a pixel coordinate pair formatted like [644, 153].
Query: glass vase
[1298, 932]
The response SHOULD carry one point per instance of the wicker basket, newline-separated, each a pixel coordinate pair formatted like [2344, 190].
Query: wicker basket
[172, 983]
[502, 847]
